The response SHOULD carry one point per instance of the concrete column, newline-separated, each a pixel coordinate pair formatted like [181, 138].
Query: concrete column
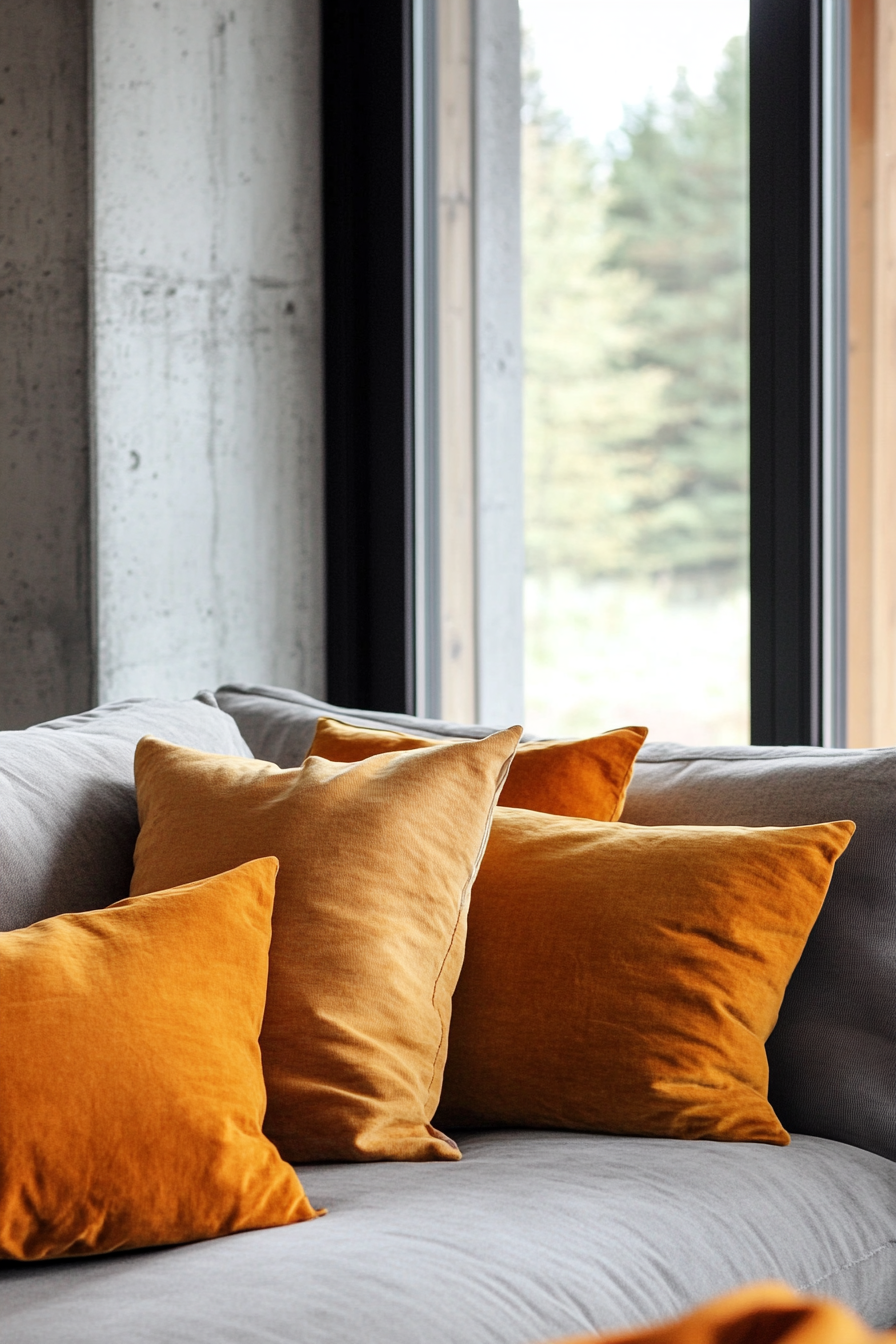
[208, 381]
[46, 660]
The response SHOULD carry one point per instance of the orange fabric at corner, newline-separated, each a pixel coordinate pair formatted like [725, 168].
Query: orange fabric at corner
[763, 1313]
[583, 778]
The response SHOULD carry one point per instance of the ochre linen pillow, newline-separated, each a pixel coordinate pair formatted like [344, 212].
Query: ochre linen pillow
[376, 863]
[584, 778]
[131, 1089]
[761, 1313]
[624, 979]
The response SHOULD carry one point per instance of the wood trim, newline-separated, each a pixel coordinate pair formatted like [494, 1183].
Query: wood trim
[497, 246]
[457, 544]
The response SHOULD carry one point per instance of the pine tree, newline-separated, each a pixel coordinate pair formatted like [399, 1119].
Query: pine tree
[635, 294]
[586, 399]
[678, 209]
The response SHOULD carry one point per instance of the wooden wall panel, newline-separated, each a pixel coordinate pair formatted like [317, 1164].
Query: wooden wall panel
[872, 378]
[861, 381]
[884, 404]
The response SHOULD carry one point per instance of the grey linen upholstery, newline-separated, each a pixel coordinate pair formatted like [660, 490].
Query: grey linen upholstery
[68, 812]
[832, 1056]
[530, 1237]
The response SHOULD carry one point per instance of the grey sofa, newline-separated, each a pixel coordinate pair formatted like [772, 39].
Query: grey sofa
[534, 1234]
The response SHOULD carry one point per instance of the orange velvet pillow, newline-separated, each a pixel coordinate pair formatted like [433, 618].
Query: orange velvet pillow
[131, 1089]
[624, 979]
[584, 778]
[376, 863]
[761, 1313]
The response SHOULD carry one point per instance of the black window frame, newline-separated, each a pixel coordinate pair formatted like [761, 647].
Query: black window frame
[797, 372]
[367, 149]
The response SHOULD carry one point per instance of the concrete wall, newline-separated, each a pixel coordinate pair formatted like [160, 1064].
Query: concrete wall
[160, 244]
[208, 381]
[46, 663]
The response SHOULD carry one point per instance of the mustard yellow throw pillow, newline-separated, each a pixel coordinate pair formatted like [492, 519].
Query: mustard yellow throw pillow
[624, 979]
[376, 863]
[131, 1089]
[584, 778]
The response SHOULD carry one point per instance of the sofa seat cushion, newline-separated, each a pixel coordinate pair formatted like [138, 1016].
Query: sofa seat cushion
[532, 1236]
[68, 810]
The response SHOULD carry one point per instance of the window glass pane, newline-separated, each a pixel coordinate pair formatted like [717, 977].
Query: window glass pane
[635, 290]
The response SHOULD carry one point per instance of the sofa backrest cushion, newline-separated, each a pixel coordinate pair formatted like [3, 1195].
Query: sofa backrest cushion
[832, 1055]
[279, 724]
[68, 811]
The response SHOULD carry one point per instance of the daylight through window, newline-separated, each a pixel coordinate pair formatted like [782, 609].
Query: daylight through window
[635, 294]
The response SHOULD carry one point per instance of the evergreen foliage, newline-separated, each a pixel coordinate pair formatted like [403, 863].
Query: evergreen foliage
[635, 294]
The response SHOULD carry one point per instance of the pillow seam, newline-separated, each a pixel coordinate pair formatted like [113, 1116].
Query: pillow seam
[461, 907]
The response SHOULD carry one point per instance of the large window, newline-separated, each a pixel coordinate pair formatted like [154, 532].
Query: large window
[635, 302]
[706, 270]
